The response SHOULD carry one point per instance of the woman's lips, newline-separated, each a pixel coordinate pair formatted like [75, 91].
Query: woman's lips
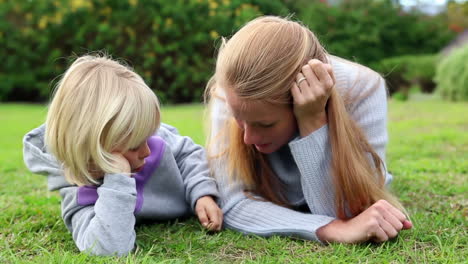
[262, 145]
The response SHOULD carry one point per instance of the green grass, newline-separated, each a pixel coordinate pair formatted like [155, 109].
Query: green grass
[428, 156]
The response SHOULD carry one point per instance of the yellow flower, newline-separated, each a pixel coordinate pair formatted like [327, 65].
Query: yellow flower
[28, 16]
[42, 22]
[77, 4]
[106, 11]
[57, 18]
[213, 5]
[133, 2]
[130, 32]
[169, 21]
[214, 34]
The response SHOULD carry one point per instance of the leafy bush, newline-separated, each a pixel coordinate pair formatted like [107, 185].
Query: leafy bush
[400, 96]
[369, 31]
[452, 75]
[405, 71]
[170, 43]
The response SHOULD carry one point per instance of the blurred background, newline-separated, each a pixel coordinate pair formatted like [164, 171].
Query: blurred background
[418, 46]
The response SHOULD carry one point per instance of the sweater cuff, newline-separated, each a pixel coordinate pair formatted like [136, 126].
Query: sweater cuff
[203, 188]
[117, 195]
[267, 219]
[120, 182]
[316, 140]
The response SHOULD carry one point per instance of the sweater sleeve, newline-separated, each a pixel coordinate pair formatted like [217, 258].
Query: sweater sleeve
[312, 153]
[193, 166]
[253, 216]
[107, 226]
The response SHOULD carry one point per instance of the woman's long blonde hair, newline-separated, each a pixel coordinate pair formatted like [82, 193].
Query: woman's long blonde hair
[98, 104]
[260, 62]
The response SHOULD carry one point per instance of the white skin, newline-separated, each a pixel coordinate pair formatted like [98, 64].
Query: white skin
[133, 160]
[381, 221]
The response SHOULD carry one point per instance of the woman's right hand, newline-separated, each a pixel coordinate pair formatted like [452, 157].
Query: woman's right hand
[310, 94]
[380, 222]
[122, 163]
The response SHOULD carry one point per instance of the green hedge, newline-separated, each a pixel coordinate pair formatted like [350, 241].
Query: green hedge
[452, 75]
[170, 43]
[368, 31]
[405, 71]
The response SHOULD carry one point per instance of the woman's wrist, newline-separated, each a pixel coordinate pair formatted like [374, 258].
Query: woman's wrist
[325, 233]
[311, 123]
[335, 231]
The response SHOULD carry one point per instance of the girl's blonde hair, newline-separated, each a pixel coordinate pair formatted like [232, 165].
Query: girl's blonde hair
[98, 105]
[260, 62]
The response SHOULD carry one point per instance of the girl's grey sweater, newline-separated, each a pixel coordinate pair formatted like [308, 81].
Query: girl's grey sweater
[102, 218]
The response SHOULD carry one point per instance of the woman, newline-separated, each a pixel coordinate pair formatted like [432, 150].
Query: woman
[297, 139]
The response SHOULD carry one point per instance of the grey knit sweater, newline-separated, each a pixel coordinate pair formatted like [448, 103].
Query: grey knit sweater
[303, 164]
[102, 218]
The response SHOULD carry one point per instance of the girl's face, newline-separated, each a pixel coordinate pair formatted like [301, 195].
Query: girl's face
[136, 157]
[266, 126]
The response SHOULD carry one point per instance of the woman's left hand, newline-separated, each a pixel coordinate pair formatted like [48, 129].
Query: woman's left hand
[310, 93]
[209, 214]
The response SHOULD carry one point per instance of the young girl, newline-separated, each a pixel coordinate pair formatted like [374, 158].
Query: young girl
[100, 148]
[298, 139]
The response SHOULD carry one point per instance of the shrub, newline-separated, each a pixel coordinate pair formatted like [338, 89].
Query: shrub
[369, 31]
[169, 43]
[405, 71]
[399, 96]
[452, 75]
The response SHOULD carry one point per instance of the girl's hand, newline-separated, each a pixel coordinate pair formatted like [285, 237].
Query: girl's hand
[209, 214]
[380, 222]
[310, 93]
[122, 163]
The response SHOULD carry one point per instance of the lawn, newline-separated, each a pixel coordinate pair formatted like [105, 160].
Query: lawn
[428, 156]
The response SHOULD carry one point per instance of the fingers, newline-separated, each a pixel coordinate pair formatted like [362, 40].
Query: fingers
[389, 229]
[315, 79]
[202, 216]
[297, 95]
[215, 218]
[379, 235]
[329, 69]
[311, 79]
[391, 217]
[390, 220]
[121, 162]
[209, 214]
[391, 213]
[407, 225]
[322, 73]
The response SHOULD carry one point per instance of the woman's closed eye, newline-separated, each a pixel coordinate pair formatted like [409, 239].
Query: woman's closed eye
[266, 125]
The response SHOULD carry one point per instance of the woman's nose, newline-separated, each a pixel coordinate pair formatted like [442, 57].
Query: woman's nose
[251, 136]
